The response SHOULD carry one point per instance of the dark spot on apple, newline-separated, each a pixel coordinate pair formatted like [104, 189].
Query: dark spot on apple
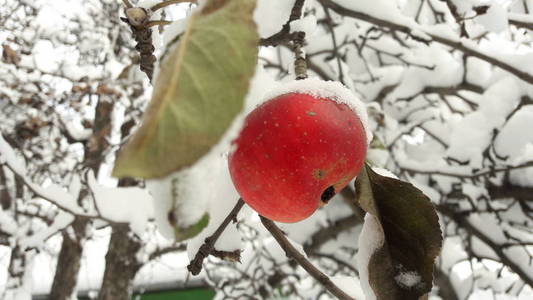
[327, 194]
[319, 174]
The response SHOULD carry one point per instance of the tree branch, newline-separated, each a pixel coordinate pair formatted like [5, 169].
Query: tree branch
[508, 190]
[498, 250]
[74, 210]
[522, 21]
[195, 266]
[458, 18]
[446, 289]
[127, 3]
[302, 261]
[284, 35]
[158, 23]
[328, 233]
[473, 176]
[455, 44]
[162, 251]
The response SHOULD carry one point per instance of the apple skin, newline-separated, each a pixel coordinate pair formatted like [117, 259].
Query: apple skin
[291, 150]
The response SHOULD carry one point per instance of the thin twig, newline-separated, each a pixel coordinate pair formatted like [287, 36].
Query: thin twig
[446, 289]
[335, 46]
[195, 266]
[330, 232]
[290, 251]
[474, 175]
[127, 3]
[520, 23]
[169, 2]
[158, 23]
[171, 249]
[458, 18]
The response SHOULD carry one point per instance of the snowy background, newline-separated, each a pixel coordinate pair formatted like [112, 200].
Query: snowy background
[448, 90]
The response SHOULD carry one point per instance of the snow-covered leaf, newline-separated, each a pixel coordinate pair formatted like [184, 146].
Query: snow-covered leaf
[401, 265]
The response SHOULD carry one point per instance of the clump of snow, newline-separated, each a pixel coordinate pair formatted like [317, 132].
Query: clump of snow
[382, 9]
[77, 131]
[471, 135]
[147, 3]
[452, 253]
[8, 223]
[495, 19]
[350, 285]
[384, 172]
[408, 279]
[370, 240]
[446, 71]
[306, 24]
[478, 71]
[180, 195]
[512, 139]
[161, 190]
[132, 205]
[46, 56]
[270, 15]
[333, 90]
[8, 156]
[524, 176]
[74, 187]
[173, 30]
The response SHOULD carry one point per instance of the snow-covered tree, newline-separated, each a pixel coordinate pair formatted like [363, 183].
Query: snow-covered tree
[119, 117]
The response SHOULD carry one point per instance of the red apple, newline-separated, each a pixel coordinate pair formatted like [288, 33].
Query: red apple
[294, 153]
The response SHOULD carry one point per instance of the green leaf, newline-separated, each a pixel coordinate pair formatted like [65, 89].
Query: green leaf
[200, 89]
[181, 234]
[412, 235]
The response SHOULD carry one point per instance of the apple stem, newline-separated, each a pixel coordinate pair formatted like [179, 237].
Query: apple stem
[292, 252]
[208, 247]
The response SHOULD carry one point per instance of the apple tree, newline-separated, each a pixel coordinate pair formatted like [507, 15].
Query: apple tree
[296, 149]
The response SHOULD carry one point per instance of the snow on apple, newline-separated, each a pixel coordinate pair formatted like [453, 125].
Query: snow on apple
[318, 88]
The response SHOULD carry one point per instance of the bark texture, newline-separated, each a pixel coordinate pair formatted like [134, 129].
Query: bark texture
[121, 265]
[68, 262]
[121, 258]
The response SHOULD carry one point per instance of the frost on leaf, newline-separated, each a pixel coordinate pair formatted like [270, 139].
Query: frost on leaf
[401, 266]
